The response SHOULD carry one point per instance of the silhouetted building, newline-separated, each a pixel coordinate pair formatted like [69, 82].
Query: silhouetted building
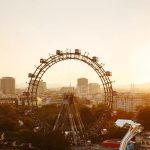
[94, 88]
[130, 102]
[8, 85]
[42, 87]
[82, 87]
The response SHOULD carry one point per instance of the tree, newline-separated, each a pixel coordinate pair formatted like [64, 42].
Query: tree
[28, 123]
[121, 114]
[8, 124]
[8, 111]
[49, 141]
[27, 136]
[86, 115]
[115, 131]
[54, 140]
[143, 117]
[48, 114]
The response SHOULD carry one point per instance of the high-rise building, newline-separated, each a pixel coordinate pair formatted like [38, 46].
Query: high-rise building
[42, 87]
[82, 87]
[8, 85]
[94, 88]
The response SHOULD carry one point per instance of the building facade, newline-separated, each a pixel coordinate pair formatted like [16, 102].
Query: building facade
[8, 85]
[82, 87]
[42, 87]
[129, 102]
[94, 88]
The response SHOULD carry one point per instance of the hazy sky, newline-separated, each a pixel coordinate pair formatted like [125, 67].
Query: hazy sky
[117, 31]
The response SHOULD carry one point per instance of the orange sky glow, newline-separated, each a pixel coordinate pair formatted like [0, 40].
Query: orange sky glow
[118, 32]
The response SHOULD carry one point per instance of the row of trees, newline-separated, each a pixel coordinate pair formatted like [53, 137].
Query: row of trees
[18, 126]
[90, 116]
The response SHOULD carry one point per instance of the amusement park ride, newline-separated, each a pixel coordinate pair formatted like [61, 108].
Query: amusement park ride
[69, 108]
[46, 64]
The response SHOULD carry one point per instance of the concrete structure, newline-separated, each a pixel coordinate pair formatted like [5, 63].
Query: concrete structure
[94, 88]
[129, 101]
[82, 87]
[42, 87]
[8, 85]
[8, 101]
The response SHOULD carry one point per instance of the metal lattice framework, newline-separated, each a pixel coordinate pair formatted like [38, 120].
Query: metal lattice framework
[69, 114]
[46, 64]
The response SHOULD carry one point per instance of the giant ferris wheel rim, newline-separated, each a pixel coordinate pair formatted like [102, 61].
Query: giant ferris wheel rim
[46, 64]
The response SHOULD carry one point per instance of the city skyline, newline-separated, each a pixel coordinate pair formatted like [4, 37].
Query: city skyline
[116, 32]
[145, 87]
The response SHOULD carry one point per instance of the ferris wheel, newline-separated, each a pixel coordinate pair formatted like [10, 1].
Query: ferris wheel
[46, 64]
[68, 107]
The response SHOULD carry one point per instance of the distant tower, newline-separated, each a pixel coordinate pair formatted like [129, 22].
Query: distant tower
[132, 87]
[8, 85]
[82, 87]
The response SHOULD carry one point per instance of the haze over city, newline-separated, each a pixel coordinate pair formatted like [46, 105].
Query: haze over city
[115, 31]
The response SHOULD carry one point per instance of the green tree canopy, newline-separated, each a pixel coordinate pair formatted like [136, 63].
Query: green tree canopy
[143, 117]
